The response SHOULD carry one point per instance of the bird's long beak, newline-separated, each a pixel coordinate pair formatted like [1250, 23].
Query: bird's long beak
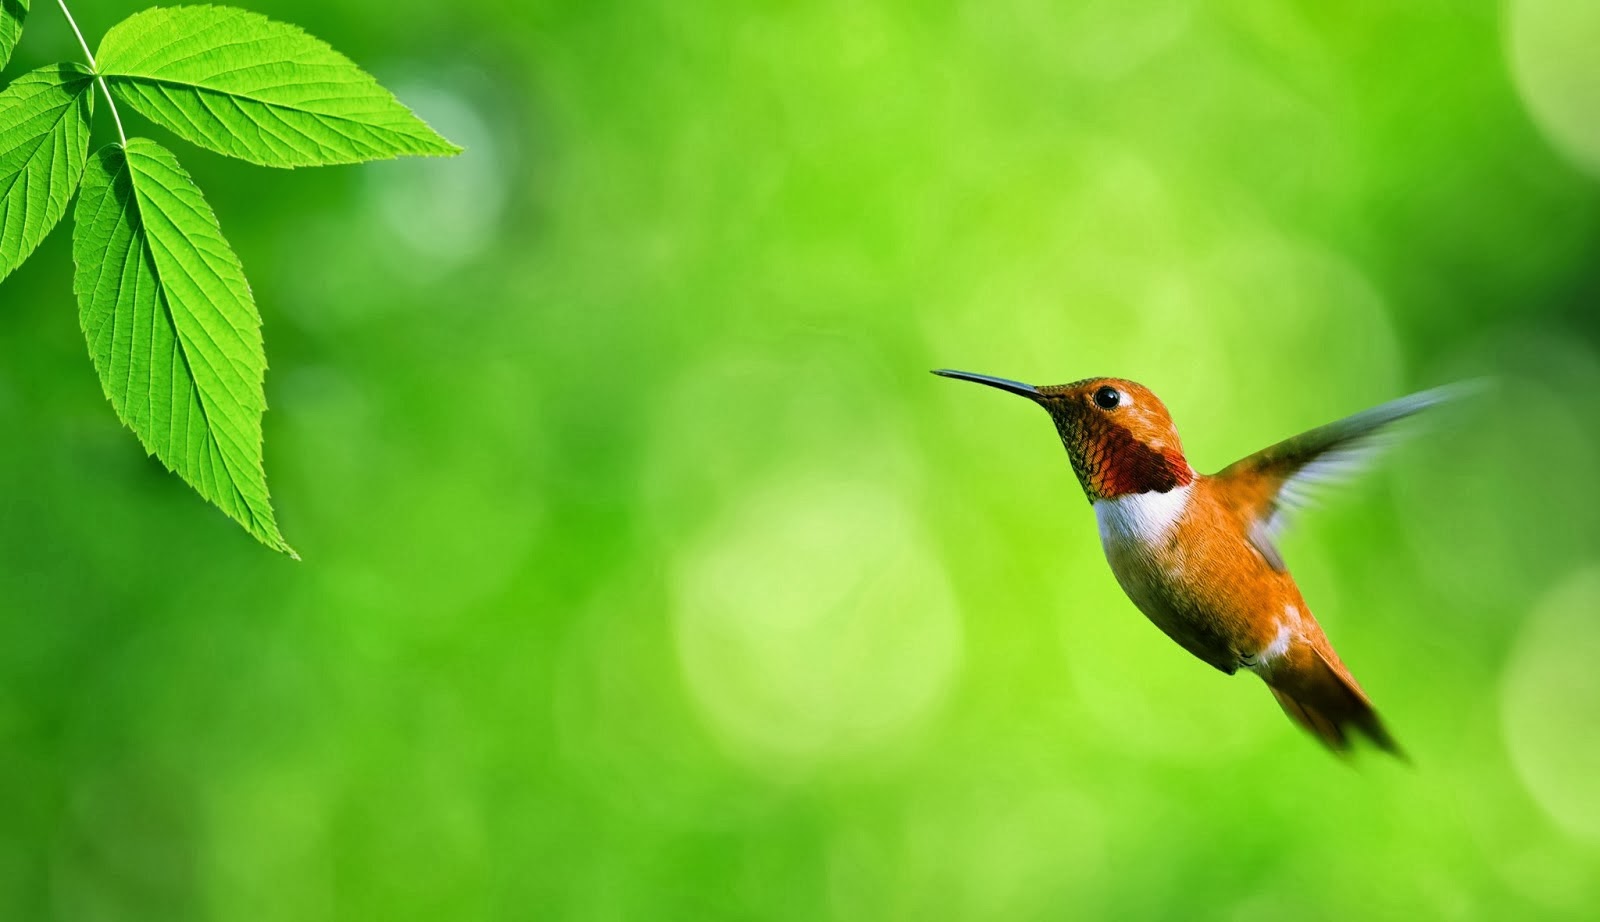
[1005, 384]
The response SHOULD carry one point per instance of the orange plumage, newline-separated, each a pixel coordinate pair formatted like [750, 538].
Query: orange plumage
[1195, 552]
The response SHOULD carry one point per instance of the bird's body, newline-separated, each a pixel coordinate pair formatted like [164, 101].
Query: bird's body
[1194, 552]
[1182, 558]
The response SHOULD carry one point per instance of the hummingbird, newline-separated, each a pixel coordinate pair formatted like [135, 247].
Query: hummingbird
[1196, 552]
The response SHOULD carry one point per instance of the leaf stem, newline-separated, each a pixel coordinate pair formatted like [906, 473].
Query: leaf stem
[96, 68]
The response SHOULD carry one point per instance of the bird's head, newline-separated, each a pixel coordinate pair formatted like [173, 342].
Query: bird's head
[1118, 434]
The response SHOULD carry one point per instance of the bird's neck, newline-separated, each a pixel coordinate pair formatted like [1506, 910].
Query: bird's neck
[1112, 462]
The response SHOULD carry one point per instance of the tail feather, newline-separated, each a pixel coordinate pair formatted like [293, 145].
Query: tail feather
[1319, 695]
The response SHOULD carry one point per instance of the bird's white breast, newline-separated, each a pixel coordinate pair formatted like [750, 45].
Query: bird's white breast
[1142, 518]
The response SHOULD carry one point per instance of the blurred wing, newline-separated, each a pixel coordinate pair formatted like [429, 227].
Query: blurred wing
[1286, 477]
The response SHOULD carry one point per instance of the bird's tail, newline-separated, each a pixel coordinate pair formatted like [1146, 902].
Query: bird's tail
[1319, 694]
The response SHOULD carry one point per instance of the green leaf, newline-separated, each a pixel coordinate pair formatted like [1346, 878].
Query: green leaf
[44, 141]
[12, 13]
[172, 328]
[243, 85]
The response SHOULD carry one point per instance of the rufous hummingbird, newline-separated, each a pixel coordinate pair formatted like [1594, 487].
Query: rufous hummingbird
[1195, 552]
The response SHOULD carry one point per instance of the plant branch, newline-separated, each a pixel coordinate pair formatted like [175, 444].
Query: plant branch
[96, 68]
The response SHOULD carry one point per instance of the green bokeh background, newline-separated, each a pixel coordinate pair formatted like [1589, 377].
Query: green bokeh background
[647, 573]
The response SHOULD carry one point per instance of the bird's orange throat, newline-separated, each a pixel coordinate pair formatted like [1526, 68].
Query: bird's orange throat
[1112, 460]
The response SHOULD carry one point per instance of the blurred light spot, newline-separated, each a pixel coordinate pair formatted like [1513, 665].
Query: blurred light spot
[1108, 40]
[844, 417]
[1306, 329]
[1487, 522]
[442, 210]
[1029, 260]
[1551, 704]
[1555, 60]
[999, 846]
[813, 622]
[1025, 852]
[1112, 38]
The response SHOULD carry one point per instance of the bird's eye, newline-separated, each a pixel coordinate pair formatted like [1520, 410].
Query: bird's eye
[1107, 398]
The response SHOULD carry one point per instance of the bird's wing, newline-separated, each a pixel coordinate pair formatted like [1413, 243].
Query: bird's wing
[1284, 478]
